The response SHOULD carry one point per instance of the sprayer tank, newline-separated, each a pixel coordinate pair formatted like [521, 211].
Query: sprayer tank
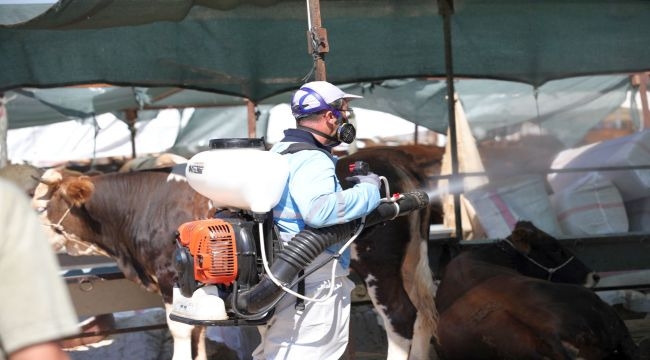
[239, 174]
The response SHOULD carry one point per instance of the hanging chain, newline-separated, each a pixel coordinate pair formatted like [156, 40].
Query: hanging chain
[315, 41]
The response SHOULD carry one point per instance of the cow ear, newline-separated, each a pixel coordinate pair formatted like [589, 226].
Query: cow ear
[78, 190]
[520, 238]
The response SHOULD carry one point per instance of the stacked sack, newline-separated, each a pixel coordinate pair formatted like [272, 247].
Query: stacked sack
[580, 203]
[499, 205]
[603, 201]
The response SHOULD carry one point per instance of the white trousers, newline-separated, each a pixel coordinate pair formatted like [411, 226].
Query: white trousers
[319, 332]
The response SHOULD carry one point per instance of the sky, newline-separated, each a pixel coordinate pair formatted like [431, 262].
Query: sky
[22, 2]
[18, 11]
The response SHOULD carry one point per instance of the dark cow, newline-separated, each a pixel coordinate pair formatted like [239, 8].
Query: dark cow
[497, 302]
[133, 216]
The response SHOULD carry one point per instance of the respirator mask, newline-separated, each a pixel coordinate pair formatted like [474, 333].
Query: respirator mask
[345, 132]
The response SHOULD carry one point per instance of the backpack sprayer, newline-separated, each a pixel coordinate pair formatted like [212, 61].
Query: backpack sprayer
[231, 274]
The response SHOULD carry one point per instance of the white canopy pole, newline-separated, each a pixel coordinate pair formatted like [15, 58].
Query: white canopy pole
[4, 126]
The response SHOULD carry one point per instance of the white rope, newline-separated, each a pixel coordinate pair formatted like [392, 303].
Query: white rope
[59, 229]
[550, 271]
[308, 16]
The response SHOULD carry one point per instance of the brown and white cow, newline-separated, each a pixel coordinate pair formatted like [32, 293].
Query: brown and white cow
[130, 217]
[133, 216]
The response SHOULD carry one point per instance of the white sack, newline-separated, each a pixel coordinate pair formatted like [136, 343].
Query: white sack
[631, 150]
[500, 205]
[593, 206]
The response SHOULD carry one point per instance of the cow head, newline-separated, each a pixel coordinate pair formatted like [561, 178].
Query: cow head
[548, 258]
[57, 195]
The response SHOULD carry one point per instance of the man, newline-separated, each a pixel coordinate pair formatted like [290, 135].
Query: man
[314, 197]
[35, 306]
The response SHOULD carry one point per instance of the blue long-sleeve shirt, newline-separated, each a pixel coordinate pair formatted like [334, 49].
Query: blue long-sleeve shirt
[313, 195]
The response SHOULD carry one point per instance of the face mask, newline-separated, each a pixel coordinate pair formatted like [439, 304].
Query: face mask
[346, 132]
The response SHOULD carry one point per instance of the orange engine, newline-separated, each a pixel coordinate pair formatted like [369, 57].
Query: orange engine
[213, 247]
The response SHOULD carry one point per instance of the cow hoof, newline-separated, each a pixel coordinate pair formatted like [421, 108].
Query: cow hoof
[101, 325]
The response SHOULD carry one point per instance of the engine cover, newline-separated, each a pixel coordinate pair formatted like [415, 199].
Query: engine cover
[212, 248]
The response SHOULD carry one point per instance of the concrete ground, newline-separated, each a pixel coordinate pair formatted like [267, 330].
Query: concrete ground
[367, 339]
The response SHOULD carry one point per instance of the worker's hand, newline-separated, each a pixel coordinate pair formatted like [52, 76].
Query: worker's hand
[370, 178]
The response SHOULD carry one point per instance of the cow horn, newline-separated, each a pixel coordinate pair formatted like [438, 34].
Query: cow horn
[50, 178]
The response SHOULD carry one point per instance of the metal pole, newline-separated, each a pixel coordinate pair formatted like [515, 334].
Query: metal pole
[446, 8]
[131, 117]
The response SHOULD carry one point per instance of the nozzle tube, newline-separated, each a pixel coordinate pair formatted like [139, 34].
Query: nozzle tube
[387, 211]
[301, 251]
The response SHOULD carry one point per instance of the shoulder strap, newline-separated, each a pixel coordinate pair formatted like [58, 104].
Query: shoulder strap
[292, 149]
[300, 146]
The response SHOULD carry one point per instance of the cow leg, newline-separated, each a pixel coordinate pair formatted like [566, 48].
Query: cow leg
[198, 336]
[418, 284]
[421, 343]
[182, 335]
[378, 264]
[398, 345]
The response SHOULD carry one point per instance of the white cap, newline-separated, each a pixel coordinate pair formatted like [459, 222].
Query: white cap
[316, 96]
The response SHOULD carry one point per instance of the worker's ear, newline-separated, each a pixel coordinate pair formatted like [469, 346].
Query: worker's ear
[331, 117]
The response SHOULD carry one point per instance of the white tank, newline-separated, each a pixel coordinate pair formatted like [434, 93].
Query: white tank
[240, 178]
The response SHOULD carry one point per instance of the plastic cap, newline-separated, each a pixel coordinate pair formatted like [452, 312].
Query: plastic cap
[316, 96]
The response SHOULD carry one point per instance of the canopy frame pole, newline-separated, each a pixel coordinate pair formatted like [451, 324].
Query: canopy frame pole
[640, 82]
[317, 43]
[252, 119]
[131, 117]
[446, 9]
[643, 92]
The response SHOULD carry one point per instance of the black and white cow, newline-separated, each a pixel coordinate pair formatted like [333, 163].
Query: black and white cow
[392, 258]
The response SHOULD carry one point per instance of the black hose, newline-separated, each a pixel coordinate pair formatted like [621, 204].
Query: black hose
[303, 249]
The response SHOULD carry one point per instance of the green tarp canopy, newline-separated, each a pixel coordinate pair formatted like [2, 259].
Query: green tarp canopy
[34, 107]
[258, 48]
[567, 108]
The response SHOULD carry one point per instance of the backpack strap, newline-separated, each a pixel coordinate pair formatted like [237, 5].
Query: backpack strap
[300, 146]
[292, 149]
